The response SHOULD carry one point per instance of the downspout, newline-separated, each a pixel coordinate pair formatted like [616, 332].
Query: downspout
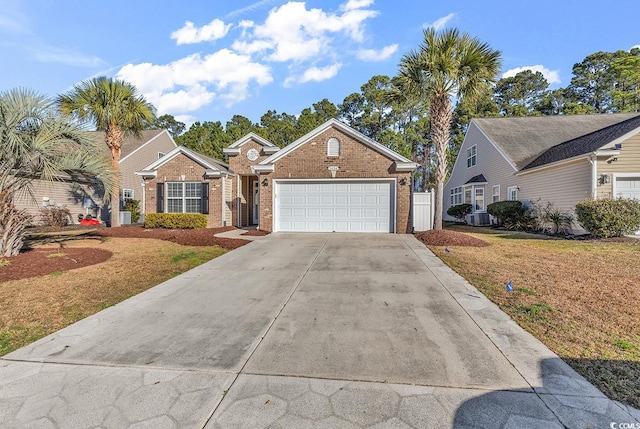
[593, 159]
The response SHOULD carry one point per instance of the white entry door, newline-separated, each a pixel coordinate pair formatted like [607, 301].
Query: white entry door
[335, 206]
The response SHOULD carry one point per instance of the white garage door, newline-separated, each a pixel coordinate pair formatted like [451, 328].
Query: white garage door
[628, 187]
[335, 206]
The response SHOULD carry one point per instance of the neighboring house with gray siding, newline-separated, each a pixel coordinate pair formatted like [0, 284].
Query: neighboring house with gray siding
[557, 159]
[80, 199]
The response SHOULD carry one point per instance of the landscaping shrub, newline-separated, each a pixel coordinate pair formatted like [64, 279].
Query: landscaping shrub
[175, 220]
[133, 206]
[55, 216]
[509, 213]
[460, 211]
[609, 218]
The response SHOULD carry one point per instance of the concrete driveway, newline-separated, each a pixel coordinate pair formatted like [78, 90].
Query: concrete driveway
[302, 331]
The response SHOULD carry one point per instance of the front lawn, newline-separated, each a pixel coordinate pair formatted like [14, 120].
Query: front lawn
[580, 298]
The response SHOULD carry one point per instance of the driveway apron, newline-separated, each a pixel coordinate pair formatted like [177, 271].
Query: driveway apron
[302, 330]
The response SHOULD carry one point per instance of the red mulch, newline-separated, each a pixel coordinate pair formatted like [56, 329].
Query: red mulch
[443, 237]
[186, 237]
[36, 263]
[256, 233]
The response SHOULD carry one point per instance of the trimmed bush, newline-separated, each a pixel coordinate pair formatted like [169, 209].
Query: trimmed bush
[609, 218]
[133, 206]
[460, 211]
[55, 216]
[508, 212]
[175, 220]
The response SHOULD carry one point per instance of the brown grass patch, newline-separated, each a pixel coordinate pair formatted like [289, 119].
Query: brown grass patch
[32, 308]
[579, 298]
[256, 233]
[444, 237]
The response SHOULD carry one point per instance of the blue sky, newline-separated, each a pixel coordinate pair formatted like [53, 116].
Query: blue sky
[208, 60]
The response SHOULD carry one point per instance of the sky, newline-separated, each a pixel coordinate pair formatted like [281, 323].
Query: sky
[209, 60]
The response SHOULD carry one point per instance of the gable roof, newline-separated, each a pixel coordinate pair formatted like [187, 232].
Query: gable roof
[587, 143]
[477, 179]
[130, 143]
[402, 163]
[251, 136]
[523, 139]
[213, 167]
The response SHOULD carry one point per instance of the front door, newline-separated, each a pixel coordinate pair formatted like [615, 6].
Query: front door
[256, 201]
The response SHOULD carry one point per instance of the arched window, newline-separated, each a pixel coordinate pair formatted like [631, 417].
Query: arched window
[333, 147]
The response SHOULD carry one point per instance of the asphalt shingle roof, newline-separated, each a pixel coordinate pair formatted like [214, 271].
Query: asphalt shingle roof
[477, 179]
[129, 143]
[585, 144]
[524, 139]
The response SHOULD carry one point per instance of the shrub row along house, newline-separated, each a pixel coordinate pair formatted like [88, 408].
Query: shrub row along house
[556, 159]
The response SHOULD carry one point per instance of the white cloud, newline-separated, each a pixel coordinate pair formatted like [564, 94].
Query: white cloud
[187, 84]
[314, 74]
[439, 23]
[292, 32]
[552, 76]
[373, 55]
[189, 34]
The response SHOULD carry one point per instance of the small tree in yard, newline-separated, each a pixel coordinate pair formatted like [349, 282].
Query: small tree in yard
[609, 218]
[460, 211]
[37, 143]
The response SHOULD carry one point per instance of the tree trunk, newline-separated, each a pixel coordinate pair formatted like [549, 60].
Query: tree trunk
[113, 138]
[441, 114]
[13, 223]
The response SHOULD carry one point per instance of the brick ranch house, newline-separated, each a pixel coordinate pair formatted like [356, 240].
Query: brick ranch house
[332, 179]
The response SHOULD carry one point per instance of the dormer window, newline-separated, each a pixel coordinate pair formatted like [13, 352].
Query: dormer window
[333, 147]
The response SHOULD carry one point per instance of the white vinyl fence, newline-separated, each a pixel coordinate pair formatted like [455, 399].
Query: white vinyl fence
[422, 211]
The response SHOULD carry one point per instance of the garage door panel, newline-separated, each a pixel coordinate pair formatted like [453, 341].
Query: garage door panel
[335, 206]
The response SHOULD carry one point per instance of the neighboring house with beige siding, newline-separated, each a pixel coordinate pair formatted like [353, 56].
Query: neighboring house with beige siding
[556, 159]
[80, 199]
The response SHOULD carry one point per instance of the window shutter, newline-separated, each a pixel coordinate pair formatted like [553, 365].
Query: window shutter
[160, 198]
[205, 198]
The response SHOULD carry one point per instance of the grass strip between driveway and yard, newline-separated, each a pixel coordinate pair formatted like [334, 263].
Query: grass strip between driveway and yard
[580, 298]
[34, 307]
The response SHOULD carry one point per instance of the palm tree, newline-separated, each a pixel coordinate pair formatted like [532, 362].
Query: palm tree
[37, 143]
[446, 65]
[115, 107]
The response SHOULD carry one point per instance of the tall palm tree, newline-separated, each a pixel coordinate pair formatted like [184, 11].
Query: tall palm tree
[447, 64]
[38, 143]
[115, 107]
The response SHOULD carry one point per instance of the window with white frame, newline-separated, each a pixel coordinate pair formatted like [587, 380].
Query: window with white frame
[495, 196]
[456, 196]
[333, 147]
[127, 195]
[512, 193]
[467, 195]
[184, 197]
[479, 199]
[471, 156]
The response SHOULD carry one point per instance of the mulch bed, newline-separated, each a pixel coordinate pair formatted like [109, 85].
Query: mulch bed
[256, 233]
[186, 237]
[443, 237]
[39, 262]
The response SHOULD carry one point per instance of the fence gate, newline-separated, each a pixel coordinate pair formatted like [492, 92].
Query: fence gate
[422, 211]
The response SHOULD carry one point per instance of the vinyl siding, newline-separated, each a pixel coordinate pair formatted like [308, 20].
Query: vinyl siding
[138, 160]
[490, 162]
[62, 194]
[563, 185]
[628, 163]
